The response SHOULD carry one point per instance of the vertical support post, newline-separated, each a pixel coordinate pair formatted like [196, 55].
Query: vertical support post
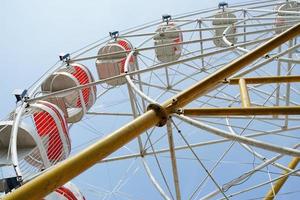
[140, 86]
[278, 185]
[134, 106]
[167, 77]
[135, 115]
[288, 85]
[244, 93]
[278, 84]
[201, 43]
[173, 159]
[244, 15]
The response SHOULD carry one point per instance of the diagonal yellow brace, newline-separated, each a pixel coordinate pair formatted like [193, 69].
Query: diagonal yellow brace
[73, 166]
[278, 185]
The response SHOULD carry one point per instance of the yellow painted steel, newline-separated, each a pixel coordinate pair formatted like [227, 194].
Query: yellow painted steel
[277, 110]
[266, 79]
[278, 185]
[68, 169]
[244, 93]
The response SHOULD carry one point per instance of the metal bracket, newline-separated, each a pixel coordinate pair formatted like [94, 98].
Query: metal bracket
[222, 5]
[160, 112]
[114, 34]
[166, 18]
[21, 95]
[225, 81]
[135, 52]
[65, 57]
[179, 111]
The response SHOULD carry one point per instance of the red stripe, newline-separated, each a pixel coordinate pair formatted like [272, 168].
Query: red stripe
[62, 120]
[127, 47]
[82, 78]
[46, 126]
[92, 79]
[124, 44]
[66, 193]
[177, 40]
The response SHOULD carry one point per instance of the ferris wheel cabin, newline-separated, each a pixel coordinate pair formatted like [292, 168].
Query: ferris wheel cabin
[168, 33]
[292, 7]
[73, 104]
[66, 192]
[42, 142]
[26, 141]
[223, 19]
[112, 57]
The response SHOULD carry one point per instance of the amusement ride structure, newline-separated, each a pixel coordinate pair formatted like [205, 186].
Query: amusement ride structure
[203, 105]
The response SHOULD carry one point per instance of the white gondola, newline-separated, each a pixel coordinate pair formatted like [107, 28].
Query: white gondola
[43, 142]
[112, 60]
[66, 192]
[27, 140]
[76, 103]
[168, 33]
[292, 6]
[222, 19]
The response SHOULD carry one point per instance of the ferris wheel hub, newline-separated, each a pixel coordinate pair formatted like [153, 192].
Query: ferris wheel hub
[160, 112]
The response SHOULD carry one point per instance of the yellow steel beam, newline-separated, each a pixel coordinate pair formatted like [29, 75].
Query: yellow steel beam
[266, 79]
[244, 93]
[73, 166]
[278, 185]
[278, 110]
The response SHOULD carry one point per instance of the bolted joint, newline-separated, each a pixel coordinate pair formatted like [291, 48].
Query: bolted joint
[199, 21]
[179, 111]
[225, 81]
[135, 53]
[160, 112]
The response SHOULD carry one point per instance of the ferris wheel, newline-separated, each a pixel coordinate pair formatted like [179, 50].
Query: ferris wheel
[203, 105]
